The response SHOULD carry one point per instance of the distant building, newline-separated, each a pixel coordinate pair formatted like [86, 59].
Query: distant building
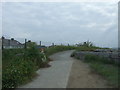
[11, 43]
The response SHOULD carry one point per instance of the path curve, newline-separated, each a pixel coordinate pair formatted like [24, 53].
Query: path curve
[66, 72]
[55, 76]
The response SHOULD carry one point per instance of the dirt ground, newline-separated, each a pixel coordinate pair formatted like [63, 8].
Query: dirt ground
[81, 76]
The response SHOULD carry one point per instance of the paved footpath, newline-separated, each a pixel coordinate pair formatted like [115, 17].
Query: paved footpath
[55, 76]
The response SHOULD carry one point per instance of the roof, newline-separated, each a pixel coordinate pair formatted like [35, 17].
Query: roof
[9, 42]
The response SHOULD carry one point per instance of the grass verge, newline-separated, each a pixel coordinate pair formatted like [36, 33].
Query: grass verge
[106, 68]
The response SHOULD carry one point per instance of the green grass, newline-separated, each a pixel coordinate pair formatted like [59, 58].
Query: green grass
[107, 69]
[55, 49]
[85, 48]
[95, 58]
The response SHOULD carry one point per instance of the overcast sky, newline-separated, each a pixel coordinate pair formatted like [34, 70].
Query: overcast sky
[62, 22]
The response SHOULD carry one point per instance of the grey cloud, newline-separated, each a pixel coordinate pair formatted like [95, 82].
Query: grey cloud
[61, 22]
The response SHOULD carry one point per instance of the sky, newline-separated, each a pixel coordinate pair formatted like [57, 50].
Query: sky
[63, 22]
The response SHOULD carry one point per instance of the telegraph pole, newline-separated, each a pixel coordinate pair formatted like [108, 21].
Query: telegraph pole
[9, 43]
[2, 45]
[40, 43]
[68, 44]
[25, 43]
[52, 44]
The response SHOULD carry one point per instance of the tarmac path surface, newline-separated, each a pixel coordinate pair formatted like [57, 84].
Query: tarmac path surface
[55, 76]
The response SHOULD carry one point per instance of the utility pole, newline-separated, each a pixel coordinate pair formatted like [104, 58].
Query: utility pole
[2, 45]
[52, 44]
[40, 43]
[2, 42]
[68, 44]
[9, 43]
[25, 43]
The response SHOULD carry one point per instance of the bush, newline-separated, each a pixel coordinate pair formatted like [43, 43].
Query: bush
[36, 56]
[18, 72]
[8, 56]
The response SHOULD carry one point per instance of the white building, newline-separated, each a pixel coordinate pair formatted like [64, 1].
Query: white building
[11, 43]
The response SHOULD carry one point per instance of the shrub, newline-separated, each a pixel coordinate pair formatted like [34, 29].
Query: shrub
[8, 56]
[18, 72]
[36, 56]
[32, 54]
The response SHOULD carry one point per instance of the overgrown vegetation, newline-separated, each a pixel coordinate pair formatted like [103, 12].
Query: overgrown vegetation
[19, 65]
[17, 73]
[108, 69]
